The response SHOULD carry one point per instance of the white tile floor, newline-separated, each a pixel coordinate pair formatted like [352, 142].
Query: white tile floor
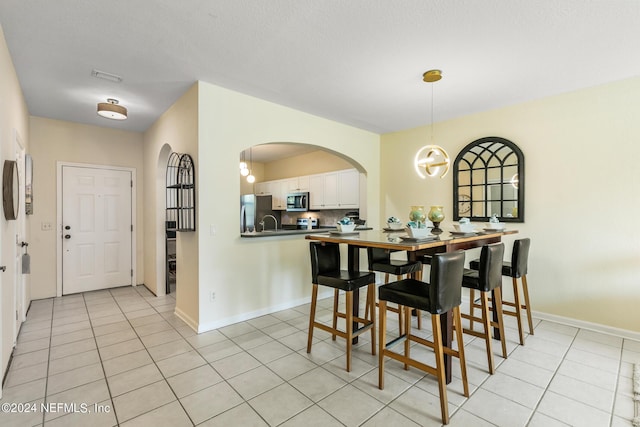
[123, 357]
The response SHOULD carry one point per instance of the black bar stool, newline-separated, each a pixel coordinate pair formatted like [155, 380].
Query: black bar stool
[441, 295]
[325, 270]
[380, 260]
[516, 269]
[488, 278]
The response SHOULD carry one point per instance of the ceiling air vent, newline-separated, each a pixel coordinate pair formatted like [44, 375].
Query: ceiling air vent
[106, 76]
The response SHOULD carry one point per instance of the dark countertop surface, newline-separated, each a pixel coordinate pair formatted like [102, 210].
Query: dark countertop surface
[280, 232]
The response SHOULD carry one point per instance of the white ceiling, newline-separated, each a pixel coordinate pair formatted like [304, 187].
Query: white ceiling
[359, 62]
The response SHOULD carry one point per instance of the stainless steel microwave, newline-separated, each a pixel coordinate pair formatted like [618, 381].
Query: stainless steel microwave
[298, 202]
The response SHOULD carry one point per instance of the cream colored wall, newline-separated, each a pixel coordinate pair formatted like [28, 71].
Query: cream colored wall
[255, 276]
[54, 141]
[14, 117]
[306, 164]
[176, 130]
[581, 152]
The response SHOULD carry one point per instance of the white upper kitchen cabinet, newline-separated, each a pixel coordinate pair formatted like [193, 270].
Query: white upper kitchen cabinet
[263, 188]
[291, 185]
[316, 191]
[348, 189]
[279, 195]
[303, 183]
[335, 190]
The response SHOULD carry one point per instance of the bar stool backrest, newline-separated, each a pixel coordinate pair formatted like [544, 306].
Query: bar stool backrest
[490, 273]
[325, 258]
[520, 257]
[445, 287]
[378, 255]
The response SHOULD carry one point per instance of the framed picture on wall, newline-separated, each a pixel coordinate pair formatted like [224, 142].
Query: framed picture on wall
[28, 185]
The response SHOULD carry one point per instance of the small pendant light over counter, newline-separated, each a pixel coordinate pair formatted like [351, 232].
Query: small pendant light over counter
[111, 110]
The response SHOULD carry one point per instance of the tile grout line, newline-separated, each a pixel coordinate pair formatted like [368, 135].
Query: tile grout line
[164, 378]
[615, 391]
[93, 333]
[46, 383]
[555, 372]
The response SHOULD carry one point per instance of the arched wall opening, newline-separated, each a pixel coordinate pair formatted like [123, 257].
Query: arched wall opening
[277, 161]
[160, 217]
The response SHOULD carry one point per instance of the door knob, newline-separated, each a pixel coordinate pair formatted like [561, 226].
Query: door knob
[67, 227]
[3, 268]
[67, 236]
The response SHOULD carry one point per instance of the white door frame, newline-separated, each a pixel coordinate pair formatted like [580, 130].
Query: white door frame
[20, 229]
[1, 311]
[59, 166]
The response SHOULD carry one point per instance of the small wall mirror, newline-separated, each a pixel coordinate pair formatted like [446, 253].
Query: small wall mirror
[489, 179]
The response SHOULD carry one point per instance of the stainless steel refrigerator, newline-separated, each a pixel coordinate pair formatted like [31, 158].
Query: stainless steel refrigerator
[252, 209]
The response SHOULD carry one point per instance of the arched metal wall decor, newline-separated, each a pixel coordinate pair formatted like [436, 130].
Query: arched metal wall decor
[181, 208]
[488, 178]
[181, 196]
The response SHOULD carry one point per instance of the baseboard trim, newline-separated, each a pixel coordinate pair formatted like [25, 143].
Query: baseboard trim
[583, 324]
[205, 327]
[187, 319]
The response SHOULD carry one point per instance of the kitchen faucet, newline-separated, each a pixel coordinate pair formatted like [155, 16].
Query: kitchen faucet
[274, 220]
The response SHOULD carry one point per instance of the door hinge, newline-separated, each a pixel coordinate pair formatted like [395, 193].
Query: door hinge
[16, 314]
[131, 183]
[131, 227]
[132, 272]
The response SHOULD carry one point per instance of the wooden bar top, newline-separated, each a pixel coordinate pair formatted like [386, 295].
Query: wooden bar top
[399, 241]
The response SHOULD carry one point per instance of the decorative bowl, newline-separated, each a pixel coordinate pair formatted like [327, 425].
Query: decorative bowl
[345, 228]
[496, 225]
[465, 228]
[395, 225]
[418, 233]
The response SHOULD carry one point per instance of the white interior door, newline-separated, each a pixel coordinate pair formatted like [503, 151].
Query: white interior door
[96, 228]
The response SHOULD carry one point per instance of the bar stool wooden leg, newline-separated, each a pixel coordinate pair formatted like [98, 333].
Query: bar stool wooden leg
[382, 342]
[498, 305]
[376, 304]
[525, 291]
[371, 297]
[439, 354]
[336, 293]
[349, 327]
[472, 306]
[312, 315]
[407, 332]
[400, 309]
[518, 307]
[486, 323]
[457, 324]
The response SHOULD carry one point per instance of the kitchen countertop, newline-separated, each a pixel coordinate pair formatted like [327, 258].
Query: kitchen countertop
[280, 232]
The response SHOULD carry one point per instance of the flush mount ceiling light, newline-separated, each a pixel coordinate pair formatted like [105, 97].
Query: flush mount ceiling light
[111, 110]
[432, 160]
